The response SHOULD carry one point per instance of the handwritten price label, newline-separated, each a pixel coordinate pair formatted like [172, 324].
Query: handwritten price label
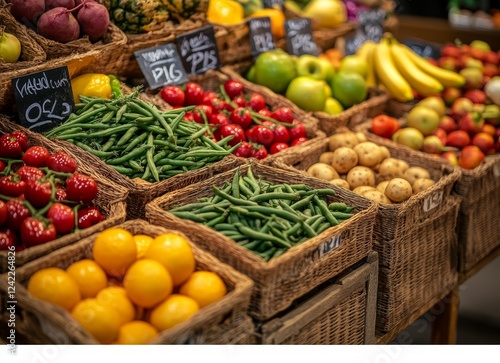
[261, 36]
[299, 38]
[198, 50]
[433, 200]
[329, 245]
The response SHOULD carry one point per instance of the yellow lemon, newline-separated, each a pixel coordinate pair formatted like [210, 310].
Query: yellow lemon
[174, 310]
[89, 276]
[116, 298]
[136, 332]
[204, 286]
[142, 242]
[115, 250]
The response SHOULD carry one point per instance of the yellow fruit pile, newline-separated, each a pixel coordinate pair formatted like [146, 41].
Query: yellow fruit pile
[135, 286]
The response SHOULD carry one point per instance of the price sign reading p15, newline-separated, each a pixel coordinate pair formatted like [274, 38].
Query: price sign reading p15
[261, 36]
[299, 38]
[199, 50]
[44, 99]
[161, 65]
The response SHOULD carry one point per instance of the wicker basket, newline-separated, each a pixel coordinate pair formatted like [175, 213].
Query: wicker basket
[374, 105]
[480, 191]
[282, 280]
[31, 52]
[110, 201]
[212, 79]
[211, 325]
[398, 109]
[342, 312]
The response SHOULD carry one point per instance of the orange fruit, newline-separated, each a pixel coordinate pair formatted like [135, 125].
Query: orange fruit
[56, 286]
[204, 286]
[101, 321]
[136, 332]
[115, 250]
[116, 297]
[89, 276]
[174, 310]
[175, 254]
[147, 283]
[142, 242]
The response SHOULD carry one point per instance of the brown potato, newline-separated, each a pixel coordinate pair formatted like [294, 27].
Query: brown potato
[384, 152]
[347, 139]
[362, 188]
[326, 157]
[398, 190]
[322, 171]
[414, 173]
[391, 168]
[368, 153]
[361, 175]
[422, 184]
[361, 137]
[382, 185]
[344, 159]
[340, 183]
[376, 196]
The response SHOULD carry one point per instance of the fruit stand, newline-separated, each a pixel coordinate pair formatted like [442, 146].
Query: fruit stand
[239, 172]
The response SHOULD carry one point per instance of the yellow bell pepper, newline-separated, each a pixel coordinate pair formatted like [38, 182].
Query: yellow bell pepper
[225, 12]
[95, 85]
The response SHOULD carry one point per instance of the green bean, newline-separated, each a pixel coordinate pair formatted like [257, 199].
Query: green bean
[235, 188]
[274, 195]
[188, 215]
[141, 110]
[120, 112]
[342, 215]
[131, 155]
[157, 114]
[317, 192]
[147, 173]
[139, 139]
[263, 247]
[149, 158]
[315, 225]
[325, 211]
[190, 207]
[225, 188]
[232, 199]
[122, 170]
[127, 136]
[337, 206]
[252, 244]
[262, 236]
[210, 143]
[107, 117]
[274, 211]
[177, 120]
[323, 227]
[294, 230]
[98, 153]
[225, 227]
[135, 166]
[208, 215]
[302, 203]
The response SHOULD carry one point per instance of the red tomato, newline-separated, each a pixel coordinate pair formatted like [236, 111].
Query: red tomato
[233, 88]
[61, 194]
[3, 212]
[61, 162]
[173, 95]
[193, 94]
[265, 112]
[244, 150]
[34, 232]
[21, 138]
[240, 101]
[29, 173]
[6, 240]
[256, 102]
[277, 147]
[2, 166]
[89, 216]
[259, 153]
[283, 114]
[262, 135]
[384, 126]
[202, 113]
[188, 116]
[281, 134]
[208, 96]
[81, 188]
[299, 141]
[10, 147]
[235, 130]
[62, 217]
[241, 116]
[298, 131]
[36, 156]
[16, 213]
[219, 119]
[38, 193]
[12, 186]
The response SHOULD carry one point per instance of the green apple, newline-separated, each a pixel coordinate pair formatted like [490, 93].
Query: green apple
[10, 47]
[328, 90]
[307, 93]
[354, 63]
[314, 67]
[332, 106]
[410, 137]
[274, 69]
[424, 119]
[348, 88]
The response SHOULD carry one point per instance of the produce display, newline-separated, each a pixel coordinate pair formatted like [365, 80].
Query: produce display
[134, 287]
[257, 130]
[63, 20]
[369, 170]
[266, 218]
[42, 195]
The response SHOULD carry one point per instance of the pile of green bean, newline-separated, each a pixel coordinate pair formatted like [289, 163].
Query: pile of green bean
[140, 141]
[266, 218]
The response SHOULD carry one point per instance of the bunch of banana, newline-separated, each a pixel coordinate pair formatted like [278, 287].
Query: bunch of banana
[400, 70]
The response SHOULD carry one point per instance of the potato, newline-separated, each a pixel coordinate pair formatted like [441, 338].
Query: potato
[422, 184]
[361, 137]
[326, 157]
[376, 196]
[368, 153]
[322, 171]
[398, 190]
[414, 173]
[391, 168]
[382, 185]
[344, 159]
[347, 139]
[361, 175]
[362, 188]
[384, 152]
[340, 183]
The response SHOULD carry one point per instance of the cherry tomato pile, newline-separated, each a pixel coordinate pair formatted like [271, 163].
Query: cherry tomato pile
[42, 196]
[232, 111]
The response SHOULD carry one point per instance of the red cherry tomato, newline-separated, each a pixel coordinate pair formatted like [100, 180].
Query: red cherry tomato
[193, 94]
[188, 116]
[240, 101]
[257, 102]
[21, 138]
[259, 153]
[299, 141]
[281, 134]
[88, 217]
[38, 193]
[277, 147]
[202, 113]
[241, 116]
[262, 135]
[219, 119]
[3, 212]
[384, 126]
[269, 124]
[10, 147]
[235, 130]
[28, 173]
[61, 194]
[12, 186]
[173, 95]
[219, 105]
[2, 166]
[35, 232]
[208, 96]
[244, 150]
[16, 213]
[298, 131]
[81, 188]
[283, 114]
[6, 240]
[61, 162]
[265, 112]
[63, 218]
[233, 88]
[36, 156]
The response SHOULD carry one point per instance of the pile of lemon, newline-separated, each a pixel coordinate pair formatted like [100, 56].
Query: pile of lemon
[135, 287]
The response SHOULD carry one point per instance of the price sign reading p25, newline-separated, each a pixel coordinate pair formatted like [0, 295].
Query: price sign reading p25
[161, 65]
[44, 99]
[199, 50]
[299, 38]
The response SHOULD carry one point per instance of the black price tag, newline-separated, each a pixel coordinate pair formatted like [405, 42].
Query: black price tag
[329, 245]
[161, 65]
[272, 3]
[199, 50]
[372, 23]
[353, 42]
[299, 38]
[44, 99]
[261, 36]
[423, 48]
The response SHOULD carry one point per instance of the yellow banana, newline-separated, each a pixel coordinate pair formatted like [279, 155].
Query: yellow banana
[422, 82]
[389, 75]
[364, 48]
[445, 77]
[366, 52]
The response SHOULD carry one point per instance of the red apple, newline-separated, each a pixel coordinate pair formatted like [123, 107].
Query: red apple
[458, 138]
[489, 129]
[465, 49]
[449, 95]
[483, 141]
[451, 156]
[448, 63]
[490, 70]
[476, 96]
[447, 124]
[477, 53]
[470, 157]
[442, 135]
[460, 107]
[491, 57]
[451, 50]
[471, 122]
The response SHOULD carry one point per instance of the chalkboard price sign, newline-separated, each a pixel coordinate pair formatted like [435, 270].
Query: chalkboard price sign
[423, 48]
[272, 3]
[371, 27]
[299, 38]
[199, 50]
[161, 65]
[261, 36]
[44, 99]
